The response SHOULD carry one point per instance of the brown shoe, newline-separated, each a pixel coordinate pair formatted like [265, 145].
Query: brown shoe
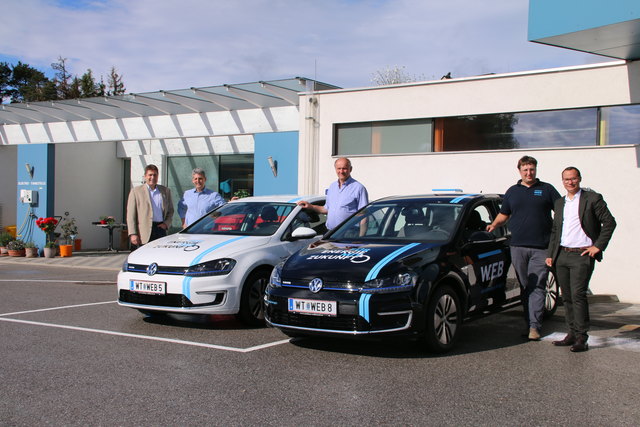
[580, 345]
[566, 341]
[534, 335]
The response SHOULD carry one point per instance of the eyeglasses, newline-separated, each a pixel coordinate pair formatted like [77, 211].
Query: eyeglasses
[570, 179]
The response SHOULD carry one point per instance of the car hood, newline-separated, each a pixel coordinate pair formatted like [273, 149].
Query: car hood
[341, 262]
[190, 249]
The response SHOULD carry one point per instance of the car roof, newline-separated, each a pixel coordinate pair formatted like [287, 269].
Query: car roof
[283, 198]
[454, 198]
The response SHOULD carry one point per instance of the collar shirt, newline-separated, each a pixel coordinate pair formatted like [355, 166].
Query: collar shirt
[573, 236]
[156, 204]
[342, 201]
[194, 204]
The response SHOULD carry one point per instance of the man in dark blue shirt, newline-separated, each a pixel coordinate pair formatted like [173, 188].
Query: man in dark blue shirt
[528, 206]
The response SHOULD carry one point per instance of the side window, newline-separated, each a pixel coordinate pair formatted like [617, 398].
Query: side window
[476, 224]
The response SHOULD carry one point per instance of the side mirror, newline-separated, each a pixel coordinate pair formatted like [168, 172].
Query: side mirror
[303, 233]
[482, 236]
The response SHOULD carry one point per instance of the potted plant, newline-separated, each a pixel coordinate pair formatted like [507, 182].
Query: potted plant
[50, 250]
[5, 238]
[31, 250]
[48, 225]
[107, 220]
[69, 233]
[16, 248]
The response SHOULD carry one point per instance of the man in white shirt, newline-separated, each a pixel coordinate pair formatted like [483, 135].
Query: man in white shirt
[582, 228]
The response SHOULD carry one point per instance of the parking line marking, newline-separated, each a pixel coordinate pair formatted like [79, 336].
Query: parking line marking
[56, 308]
[147, 337]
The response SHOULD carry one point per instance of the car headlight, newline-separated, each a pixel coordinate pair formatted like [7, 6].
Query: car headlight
[125, 265]
[217, 267]
[398, 282]
[275, 280]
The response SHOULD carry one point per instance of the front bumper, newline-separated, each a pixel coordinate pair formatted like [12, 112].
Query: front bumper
[358, 313]
[197, 295]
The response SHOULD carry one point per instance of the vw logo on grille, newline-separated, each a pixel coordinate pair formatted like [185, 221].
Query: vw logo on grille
[152, 269]
[315, 285]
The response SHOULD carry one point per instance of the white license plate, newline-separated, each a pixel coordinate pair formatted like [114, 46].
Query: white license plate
[312, 306]
[145, 287]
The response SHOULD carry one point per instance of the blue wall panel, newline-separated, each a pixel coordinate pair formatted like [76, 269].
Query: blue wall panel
[548, 18]
[283, 148]
[41, 159]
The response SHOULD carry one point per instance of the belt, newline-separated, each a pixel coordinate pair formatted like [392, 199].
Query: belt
[156, 223]
[564, 248]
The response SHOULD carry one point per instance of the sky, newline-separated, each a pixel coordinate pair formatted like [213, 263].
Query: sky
[177, 44]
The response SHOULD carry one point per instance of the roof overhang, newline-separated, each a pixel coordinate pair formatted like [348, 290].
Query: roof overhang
[602, 28]
[262, 94]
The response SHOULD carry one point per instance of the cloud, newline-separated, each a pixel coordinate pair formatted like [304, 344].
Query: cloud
[173, 44]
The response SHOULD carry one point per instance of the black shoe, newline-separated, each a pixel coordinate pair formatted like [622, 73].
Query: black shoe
[566, 341]
[580, 345]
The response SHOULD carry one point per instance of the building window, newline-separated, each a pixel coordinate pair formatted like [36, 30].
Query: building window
[620, 125]
[226, 174]
[561, 128]
[391, 137]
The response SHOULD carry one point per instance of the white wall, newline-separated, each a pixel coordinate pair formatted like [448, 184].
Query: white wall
[609, 170]
[88, 185]
[8, 184]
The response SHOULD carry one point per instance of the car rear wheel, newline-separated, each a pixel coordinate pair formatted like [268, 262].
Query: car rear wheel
[444, 319]
[252, 299]
[552, 295]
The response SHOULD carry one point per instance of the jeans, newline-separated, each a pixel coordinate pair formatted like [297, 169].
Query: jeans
[532, 273]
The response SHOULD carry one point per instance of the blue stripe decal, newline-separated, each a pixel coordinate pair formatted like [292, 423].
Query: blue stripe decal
[386, 260]
[294, 200]
[186, 283]
[458, 199]
[363, 306]
[488, 254]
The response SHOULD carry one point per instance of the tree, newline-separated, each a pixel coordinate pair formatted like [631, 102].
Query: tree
[393, 76]
[23, 83]
[63, 78]
[28, 84]
[115, 84]
[88, 86]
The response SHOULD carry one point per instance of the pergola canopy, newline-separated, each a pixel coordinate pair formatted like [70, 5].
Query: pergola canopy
[261, 94]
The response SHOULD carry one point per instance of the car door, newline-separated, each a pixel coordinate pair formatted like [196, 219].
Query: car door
[486, 256]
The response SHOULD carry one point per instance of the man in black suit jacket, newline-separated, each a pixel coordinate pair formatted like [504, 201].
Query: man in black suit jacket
[582, 228]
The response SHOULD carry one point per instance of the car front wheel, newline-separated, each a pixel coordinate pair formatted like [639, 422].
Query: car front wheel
[444, 319]
[252, 299]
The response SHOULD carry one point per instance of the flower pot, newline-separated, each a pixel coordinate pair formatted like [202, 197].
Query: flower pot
[17, 252]
[4, 251]
[77, 245]
[31, 252]
[66, 250]
[50, 252]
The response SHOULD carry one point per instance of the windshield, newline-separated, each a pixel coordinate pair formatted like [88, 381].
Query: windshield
[403, 220]
[243, 218]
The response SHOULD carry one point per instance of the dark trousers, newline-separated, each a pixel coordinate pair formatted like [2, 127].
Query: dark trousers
[157, 232]
[573, 273]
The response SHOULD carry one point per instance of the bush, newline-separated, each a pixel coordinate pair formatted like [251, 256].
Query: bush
[15, 245]
[30, 244]
[5, 238]
[50, 245]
